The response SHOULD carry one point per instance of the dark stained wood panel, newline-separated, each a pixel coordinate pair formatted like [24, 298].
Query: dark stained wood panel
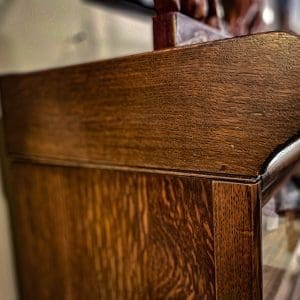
[100, 234]
[194, 109]
[81, 234]
[237, 222]
[181, 237]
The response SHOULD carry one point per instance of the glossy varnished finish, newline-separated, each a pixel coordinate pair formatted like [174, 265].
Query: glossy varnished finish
[237, 240]
[181, 240]
[138, 178]
[100, 234]
[218, 108]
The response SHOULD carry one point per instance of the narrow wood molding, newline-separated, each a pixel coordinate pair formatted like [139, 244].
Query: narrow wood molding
[48, 161]
[237, 240]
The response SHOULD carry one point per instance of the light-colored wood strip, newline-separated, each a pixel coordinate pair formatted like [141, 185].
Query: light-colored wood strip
[237, 240]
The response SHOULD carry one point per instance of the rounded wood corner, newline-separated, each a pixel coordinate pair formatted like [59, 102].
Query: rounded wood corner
[279, 166]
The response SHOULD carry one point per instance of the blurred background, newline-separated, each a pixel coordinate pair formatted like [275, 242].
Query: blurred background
[37, 34]
[40, 34]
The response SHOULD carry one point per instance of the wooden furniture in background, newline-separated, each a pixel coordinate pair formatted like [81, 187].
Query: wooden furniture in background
[177, 23]
[174, 29]
[142, 177]
[186, 22]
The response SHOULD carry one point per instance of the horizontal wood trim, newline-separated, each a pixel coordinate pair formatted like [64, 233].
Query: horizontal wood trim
[94, 165]
[221, 107]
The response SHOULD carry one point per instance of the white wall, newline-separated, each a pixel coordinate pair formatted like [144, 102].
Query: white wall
[39, 34]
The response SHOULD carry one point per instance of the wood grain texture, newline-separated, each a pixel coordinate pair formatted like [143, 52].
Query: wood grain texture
[237, 222]
[181, 238]
[218, 108]
[91, 234]
[80, 235]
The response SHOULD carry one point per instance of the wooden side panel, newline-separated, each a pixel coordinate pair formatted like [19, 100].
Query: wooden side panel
[218, 108]
[237, 240]
[81, 234]
[100, 234]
